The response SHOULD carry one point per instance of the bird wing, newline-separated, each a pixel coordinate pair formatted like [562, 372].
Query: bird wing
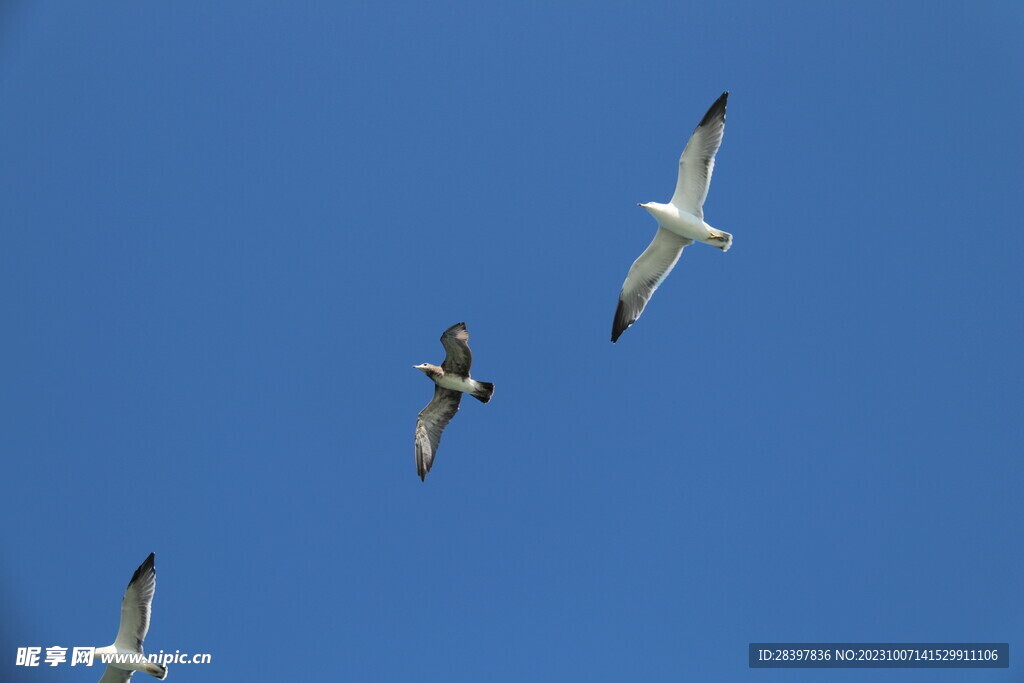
[698, 160]
[136, 606]
[646, 273]
[115, 675]
[430, 423]
[458, 358]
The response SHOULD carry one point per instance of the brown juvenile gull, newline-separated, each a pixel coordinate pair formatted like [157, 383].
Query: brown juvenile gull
[452, 380]
[136, 606]
[680, 222]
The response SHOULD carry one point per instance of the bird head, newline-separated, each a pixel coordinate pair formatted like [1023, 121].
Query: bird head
[653, 208]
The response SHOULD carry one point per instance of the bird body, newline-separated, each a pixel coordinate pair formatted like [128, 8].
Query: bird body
[686, 225]
[680, 222]
[479, 390]
[123, 671]
[451, 380]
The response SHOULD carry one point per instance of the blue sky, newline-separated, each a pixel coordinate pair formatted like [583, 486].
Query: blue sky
[230, 229]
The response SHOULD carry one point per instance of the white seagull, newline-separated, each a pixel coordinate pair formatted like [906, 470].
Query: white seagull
[451, 381]
[680, 222]
[136, 606]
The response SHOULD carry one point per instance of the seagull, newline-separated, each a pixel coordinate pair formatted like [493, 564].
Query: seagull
[136, 606]
[680, 222]
[452, 380]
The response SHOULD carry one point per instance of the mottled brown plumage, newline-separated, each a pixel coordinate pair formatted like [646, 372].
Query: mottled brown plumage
[451, 381]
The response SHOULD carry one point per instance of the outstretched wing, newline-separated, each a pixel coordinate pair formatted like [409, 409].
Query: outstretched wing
[646, 273]
[115, 675]
[698, 160]
[136, 606]
[430, 423]
[458, 357]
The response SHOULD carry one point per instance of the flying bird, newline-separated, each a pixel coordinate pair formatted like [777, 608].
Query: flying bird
[452, 380]
[136, 606]
[680, 222]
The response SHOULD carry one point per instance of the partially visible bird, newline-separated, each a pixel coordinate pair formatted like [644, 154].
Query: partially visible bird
[136, 607]
[680, 222]
[452, 380]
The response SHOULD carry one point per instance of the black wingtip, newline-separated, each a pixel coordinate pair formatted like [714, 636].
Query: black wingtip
[147, 566]
[454, 330]
[619, 324]
[717, 110]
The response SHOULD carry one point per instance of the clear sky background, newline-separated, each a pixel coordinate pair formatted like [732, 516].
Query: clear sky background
[230, 229]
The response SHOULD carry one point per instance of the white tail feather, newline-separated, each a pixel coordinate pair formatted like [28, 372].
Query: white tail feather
[720, 239]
